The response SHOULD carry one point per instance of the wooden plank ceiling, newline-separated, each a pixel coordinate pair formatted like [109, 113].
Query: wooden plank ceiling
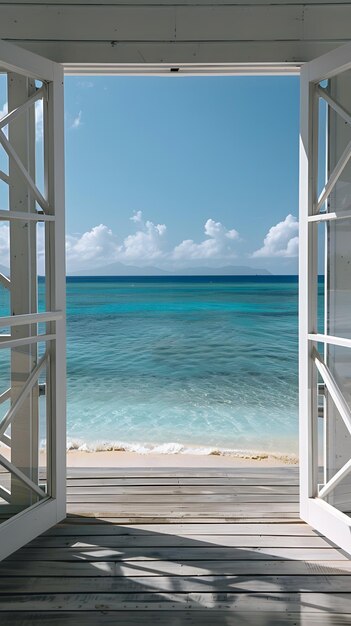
[177, 31]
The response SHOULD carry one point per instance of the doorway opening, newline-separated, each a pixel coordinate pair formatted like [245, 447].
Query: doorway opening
[216, 232]
[187, 274]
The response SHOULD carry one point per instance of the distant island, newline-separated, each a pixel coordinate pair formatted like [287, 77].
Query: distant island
[119, 269]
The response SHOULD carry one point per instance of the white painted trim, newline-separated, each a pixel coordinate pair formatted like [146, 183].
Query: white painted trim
[25, 217]
[308, 264]
[330, 522]
[28, 524]
[330, 64]
[4, 177]
[182, 69]
[30, 382]
[6, 144]
[325, 217]
[21, 476]
[330, 339]
[12, 115]
[322, 92]
[30, 318]
[6, 395]
[5, 494]
[6, 440]
[334, 390]
[55, 271]
[276, 55]
[5, 281]
[334, 482]
[334, 177]
[15, 59]
[26, 341]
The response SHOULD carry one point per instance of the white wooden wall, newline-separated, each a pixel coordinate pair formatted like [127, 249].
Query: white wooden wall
[177, 31]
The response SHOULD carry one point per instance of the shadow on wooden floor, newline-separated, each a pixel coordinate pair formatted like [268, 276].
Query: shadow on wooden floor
[94, 571]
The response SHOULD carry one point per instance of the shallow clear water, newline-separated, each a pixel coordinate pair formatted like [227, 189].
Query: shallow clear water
[198, 362]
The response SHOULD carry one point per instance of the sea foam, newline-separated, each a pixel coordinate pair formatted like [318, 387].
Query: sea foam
[178, 448]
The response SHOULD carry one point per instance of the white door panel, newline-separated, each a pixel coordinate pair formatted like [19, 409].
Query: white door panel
[32, 343]
[325, 336]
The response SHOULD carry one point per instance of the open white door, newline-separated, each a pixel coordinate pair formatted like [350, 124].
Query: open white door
[32, 306]
[325, 305]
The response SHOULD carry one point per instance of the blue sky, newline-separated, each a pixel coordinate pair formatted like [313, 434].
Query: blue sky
[204, 166]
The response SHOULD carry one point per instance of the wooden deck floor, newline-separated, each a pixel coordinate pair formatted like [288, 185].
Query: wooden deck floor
[178, 548]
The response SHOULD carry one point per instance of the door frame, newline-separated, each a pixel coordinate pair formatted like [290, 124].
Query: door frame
[315, 511]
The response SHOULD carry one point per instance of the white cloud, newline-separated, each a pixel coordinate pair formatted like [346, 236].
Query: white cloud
[97, 246]
[3, 110]
[218, 245]
[281, 240]
[38, 118]
[39, 126]
[100, 246]
[148, 244]
[85, 84]
[137, 217]
[4, 245]
[77, 121]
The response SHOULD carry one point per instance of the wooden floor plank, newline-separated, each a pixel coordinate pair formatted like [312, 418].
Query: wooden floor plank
[178, 547]
[79, 529]
[185, 481]
[152, 471]
[111, 518]
[180, 499]
[153, 539]
[173, 618]
[96, 554]
[176, 508]
[104, 569]
[177, 584]
[177, 601]
[184, 489]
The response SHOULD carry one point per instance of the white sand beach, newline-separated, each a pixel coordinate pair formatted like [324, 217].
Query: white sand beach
[77, 458]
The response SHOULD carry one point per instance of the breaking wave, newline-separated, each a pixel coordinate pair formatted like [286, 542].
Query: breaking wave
[178, 448]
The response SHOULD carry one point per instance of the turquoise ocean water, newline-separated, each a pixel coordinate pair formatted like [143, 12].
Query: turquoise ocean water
[204, 364]
[185, 364]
